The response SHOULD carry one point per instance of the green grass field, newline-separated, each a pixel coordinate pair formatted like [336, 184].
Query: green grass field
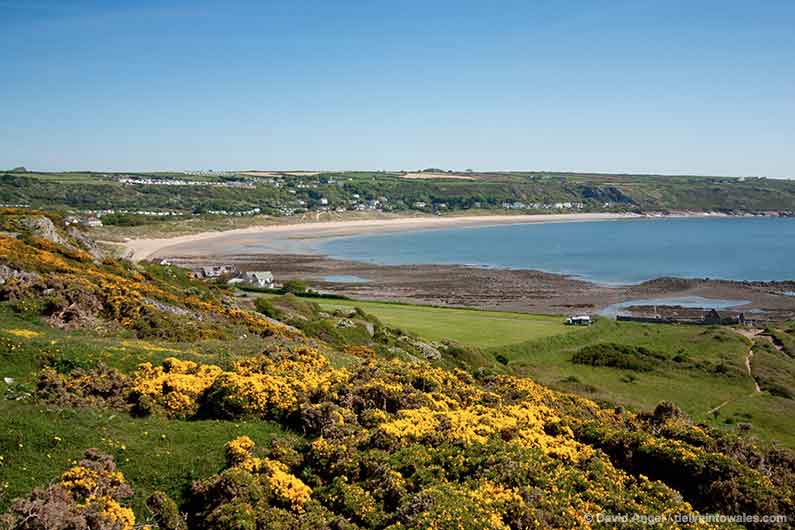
[486, 329]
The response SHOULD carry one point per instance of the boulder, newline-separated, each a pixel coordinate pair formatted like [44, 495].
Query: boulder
[44, 228]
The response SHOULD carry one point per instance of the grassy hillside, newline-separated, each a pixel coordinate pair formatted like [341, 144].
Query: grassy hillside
[703, 369]
[709, 370]
[135, 395]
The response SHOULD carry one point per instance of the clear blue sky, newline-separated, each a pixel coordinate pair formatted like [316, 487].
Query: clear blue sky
[637, 86]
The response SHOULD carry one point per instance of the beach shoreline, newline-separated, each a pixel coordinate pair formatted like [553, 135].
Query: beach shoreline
[291, 251]
[284, 235]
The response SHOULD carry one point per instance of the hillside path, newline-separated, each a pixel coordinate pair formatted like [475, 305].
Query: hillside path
[751, 334]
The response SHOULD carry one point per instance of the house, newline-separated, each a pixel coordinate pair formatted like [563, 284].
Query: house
[91, 222]
[579, 320]
[262, 279]
[712, 317]
[216, 270]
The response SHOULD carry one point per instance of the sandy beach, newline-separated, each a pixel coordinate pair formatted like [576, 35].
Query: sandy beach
[284, 235]
[289, 251]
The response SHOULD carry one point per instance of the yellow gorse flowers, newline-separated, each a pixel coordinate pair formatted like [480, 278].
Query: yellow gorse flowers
[91, 486]
[264, 385]
[286, 487]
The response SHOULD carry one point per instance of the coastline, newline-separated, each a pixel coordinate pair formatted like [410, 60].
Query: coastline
[285, 235]
[290, 251]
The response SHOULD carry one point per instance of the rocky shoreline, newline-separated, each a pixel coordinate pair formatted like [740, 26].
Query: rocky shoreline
[494, 288]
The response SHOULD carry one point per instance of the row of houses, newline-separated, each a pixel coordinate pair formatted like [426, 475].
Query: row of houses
[517, 205]
[261, 279]
[238, 213]
[91, 222]
[148, 181]
[147, 213]
[711, 317]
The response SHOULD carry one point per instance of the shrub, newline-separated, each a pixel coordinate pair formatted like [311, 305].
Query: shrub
[264, 306]
[618, 356]
[250, 492]
[176, 387]
[295, 286]
[87, 496]
[98, 386]
[165, 512]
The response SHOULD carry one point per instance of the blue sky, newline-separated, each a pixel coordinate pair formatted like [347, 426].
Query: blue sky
[638, 86]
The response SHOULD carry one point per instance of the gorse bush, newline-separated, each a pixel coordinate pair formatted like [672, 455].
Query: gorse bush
[83, 387]
[88, 496]
[613, 355]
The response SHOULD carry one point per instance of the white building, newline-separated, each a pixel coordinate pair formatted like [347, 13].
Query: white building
[216, 271]
[579, 320]
[92, 222]
[262, 279]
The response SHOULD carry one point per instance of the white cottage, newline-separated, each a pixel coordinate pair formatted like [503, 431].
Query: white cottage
[262, 279]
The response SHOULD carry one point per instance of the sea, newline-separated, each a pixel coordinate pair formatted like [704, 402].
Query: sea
[620, 252]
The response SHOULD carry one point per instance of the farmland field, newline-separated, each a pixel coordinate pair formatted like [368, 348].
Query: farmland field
[485, 329]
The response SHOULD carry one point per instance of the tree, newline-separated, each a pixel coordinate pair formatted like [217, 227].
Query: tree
[295, 286]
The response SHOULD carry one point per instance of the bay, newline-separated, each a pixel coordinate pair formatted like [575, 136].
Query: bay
[608, 252]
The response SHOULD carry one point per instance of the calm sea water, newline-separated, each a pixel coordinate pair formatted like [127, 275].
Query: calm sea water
[344, 278]
[613, 252]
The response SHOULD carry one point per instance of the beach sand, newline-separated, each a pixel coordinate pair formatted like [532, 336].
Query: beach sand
[283, 234]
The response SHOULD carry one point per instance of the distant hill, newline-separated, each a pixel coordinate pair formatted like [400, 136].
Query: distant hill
[280, 194]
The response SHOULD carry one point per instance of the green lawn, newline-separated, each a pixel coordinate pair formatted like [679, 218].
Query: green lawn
[486, 329]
